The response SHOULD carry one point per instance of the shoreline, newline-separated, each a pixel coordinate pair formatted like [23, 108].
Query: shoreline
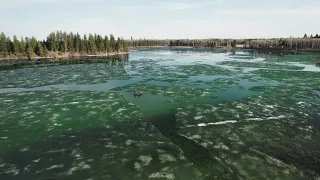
[242, 48]
[56, 55]
[280, 50]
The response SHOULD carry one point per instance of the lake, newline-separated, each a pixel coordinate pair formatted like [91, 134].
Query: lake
[204, 114]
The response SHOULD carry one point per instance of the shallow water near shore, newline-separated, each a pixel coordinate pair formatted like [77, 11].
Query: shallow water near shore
[204, 114]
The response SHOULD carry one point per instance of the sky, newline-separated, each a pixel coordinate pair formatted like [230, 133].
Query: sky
[162, 19]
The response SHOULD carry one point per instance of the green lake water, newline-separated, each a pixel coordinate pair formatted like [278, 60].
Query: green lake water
[204, 114]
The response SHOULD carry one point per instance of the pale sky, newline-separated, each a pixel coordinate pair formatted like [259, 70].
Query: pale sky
[161, 19]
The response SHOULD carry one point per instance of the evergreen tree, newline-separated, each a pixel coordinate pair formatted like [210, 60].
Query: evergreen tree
[51, 42]
[70, 42]
[118, 45]
[92, 45]
[100, 44]
[58, 41]
[22, 46]
[39, 49]
[33, 44]
[3, 44]
[112, 43]
[30, 52]
[106, 44]
[46, 51]
[9, 46]
[64, 42]
[16, 45]
[305, 36]
[85, 44]
[77, 41]
[124, 45]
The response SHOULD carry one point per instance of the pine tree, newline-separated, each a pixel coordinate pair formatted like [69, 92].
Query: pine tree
[51, 41]
[112, 43]
[22, 46]
[70, 42]
[100, 44]
[39, 49]
[85, 44]
[118, 45]
[77, 41]
[64, 42]
[33, 44]
[16, 45]
[106, 44]
[57, 41]
[46, 52]
[30, 52]
[92, 45]
[9, 46]
[124, 45]
[3, 44]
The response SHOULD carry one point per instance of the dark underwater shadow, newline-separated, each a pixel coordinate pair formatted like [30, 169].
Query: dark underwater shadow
[114, 152]
[118, 151]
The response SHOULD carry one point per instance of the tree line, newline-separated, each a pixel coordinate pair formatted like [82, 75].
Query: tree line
[212, 43]
[287, 43]
[284, 43]
[311, 36]
[147, 42]
[61, 42]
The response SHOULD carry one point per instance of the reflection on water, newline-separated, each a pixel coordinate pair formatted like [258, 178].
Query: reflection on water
[204, 114]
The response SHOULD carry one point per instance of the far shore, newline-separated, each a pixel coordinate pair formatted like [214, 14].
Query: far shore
[55, 55]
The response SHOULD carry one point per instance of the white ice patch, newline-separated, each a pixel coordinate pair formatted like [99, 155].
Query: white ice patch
[198, 117]
[204, 94]
[159, 175]
[254, 119]
[92, 113]
[110, 145]
[55, 167]
[277, 117]
[74, 103]
[166, 158]
[115, 103]
[14, 170]
[129, 142]
[137, 166]
[216, 123]
[195, 137]
[118, 111]
[80, 166]
[24, 149]
[34, 102]
[270, 106]
[146, 160]
[36, 160]
[221, 146]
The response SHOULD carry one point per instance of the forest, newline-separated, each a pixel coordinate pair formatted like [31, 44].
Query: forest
[61, 42]
[93, 44]
[284, 43]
